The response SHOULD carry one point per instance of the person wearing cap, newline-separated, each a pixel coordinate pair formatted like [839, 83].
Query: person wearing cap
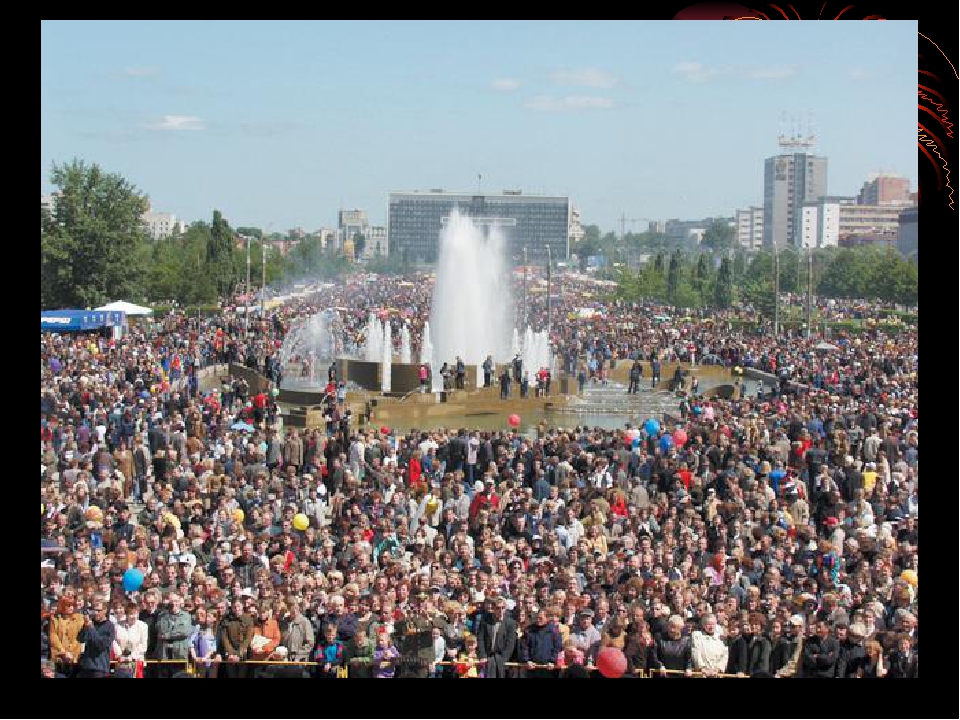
[790, 652]
[585, 636]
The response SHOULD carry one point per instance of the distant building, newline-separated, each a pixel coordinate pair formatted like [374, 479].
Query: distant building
[576, 233]
[749, 226]
[820, 224]
[377, 243]
[885, 190]
[49, 203]
[656, 226]
[351, 222]
[907, 233]
[790, 181]
[535, 222]
[869, 219]
[161, 225]
[683, 230]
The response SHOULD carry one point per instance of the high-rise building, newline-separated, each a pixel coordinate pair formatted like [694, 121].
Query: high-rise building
[534, 222]
[656, 226]
[749, 223]
[885, 190]
[790, 181]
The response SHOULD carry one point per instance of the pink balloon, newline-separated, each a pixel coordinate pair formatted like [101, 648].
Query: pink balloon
[680, 437]
[611, 662]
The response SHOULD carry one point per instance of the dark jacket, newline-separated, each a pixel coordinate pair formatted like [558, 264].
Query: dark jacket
[236, 634]
[902, 666]
[498, 650]
[820, 657]
[97, 640]
[151, 621]
[851, 659]
[672, 654]
[540, 644]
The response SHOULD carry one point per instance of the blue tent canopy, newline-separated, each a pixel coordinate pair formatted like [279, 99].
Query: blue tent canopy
[79, 320]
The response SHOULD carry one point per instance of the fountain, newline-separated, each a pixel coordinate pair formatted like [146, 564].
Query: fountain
[387, 359]
[405, 345]
[310, 343]
[373, 344]
[472, 306]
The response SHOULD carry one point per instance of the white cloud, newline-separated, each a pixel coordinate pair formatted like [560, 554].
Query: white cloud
[589, 77]
[781, 72]
[506, 84]
[142, 72]
[571, 102]
[695, 72]
[178, 122]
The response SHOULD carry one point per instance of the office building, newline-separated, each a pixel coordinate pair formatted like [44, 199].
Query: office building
[535, 222]
[577, 233]
[885, 190]
[749, 226]
[790, 181]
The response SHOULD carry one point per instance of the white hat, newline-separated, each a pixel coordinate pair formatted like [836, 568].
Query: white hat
[478, 486]
[797, 620]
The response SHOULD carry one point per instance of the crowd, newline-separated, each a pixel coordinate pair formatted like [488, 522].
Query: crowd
[774, 534]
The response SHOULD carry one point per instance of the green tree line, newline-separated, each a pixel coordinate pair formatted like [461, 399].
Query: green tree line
[698, 280]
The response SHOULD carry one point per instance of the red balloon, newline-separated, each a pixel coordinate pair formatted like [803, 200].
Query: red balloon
[680, 437]
[514, 420]
[384, 430]
[611, 662]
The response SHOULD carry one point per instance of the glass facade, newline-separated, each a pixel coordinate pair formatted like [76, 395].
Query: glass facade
[531, 221]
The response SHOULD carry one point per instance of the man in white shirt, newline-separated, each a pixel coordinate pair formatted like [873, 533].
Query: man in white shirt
[709, 652]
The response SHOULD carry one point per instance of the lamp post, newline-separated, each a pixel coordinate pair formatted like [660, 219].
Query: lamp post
[525, 308]
[246, 302]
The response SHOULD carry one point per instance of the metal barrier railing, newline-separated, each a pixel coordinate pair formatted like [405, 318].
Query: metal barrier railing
[190, 666]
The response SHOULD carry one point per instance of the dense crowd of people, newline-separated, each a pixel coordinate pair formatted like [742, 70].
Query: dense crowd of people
[772, 534]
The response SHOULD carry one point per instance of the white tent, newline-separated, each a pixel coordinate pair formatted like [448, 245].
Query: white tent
[129, 308]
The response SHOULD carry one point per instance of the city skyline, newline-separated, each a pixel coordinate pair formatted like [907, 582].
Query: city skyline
[284, 124]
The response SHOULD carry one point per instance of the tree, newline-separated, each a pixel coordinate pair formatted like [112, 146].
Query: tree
[89, 247]
[702, 274]
[220, 255]
[673, 274]
[723, 290]
[718, 235]
[359, 244]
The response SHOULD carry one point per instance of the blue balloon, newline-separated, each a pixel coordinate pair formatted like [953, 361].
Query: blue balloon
[666, 442]
[636, 442]
[651, 427]
[778, 474]
[697, 410]
[132, 580]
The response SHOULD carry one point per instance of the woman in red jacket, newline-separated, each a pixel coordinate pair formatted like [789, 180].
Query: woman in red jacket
[416, 469]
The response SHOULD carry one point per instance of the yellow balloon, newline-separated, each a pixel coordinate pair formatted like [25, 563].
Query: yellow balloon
[432, 505]
[301, 522]
[238, 515]
[910, 576]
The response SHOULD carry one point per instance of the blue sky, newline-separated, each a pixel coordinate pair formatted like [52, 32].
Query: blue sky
[284, 123]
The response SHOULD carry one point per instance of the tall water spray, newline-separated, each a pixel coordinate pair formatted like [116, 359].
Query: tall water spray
[314, 340]
[405, 345]
[472, 307]
[385, 367]
[373, 344]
